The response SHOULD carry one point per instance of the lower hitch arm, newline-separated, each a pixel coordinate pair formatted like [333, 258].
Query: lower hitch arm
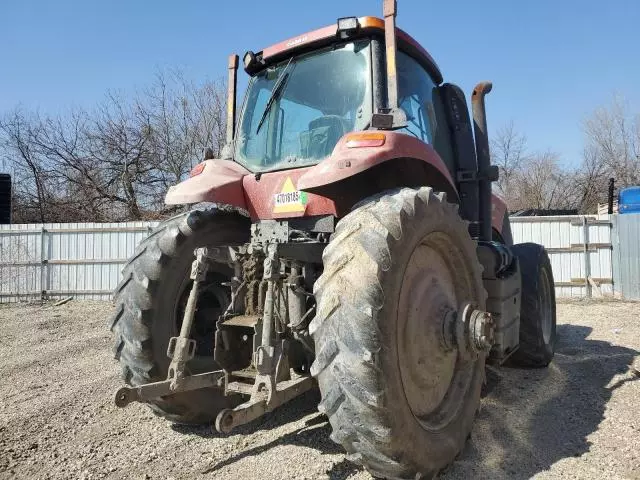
[181, 349]
[143, 393]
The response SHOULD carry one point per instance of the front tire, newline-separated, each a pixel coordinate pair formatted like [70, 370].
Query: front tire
[150, 301]
[399, 402]
[538, 307]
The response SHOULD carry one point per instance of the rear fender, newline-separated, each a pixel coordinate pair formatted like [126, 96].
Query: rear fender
[219, 182]
[352, 174]
[500, 219]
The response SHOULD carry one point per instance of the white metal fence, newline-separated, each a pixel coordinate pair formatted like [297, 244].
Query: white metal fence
[55, 260]
[84, 260]
[579, 248]
[626, 258]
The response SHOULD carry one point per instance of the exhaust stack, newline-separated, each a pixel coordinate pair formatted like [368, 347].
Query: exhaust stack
[232, 85]
[393, 117]
[486, 173]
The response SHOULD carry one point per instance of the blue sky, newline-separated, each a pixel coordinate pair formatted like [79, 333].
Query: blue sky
[552, 62]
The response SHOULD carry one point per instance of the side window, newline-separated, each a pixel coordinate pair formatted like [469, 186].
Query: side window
[415, 91]
[419, 98]
[253, 143]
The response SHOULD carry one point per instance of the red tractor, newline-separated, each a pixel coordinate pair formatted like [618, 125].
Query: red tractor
[348, 239]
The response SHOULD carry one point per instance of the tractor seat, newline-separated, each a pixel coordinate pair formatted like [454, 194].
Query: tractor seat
[324, 133]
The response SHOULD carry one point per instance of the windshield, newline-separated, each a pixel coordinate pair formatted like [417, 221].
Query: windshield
[295, 112]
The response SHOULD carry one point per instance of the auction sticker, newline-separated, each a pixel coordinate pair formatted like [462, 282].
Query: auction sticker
[289, 200]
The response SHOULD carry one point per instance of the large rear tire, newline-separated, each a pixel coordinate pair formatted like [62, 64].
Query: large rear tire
[150, 301]
[399, 401]
[538, 307]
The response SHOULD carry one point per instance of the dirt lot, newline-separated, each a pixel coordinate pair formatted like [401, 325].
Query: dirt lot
[578, 419]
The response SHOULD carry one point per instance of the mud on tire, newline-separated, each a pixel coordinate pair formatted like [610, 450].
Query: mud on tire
[363, 334]
[147, 311]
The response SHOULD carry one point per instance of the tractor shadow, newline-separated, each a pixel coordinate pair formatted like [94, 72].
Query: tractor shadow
[530, 419]
[313, 433]
[292, 411]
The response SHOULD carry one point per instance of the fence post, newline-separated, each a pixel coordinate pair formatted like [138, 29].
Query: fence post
[615, 250]
[44, 274]
[587, 263]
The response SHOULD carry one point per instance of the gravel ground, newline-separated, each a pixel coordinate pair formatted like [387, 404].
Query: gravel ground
[578, 419]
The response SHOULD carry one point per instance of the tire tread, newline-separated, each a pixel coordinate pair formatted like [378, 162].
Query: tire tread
[532, 352]
[347, 377]
[134, 298]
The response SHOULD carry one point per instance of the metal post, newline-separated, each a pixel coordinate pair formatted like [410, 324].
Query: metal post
[612, 188]
[190, 310]
[271, 275]
[483, 157]
[182, 349]
[396, 117]
[267, 324]
[587, 266]
[390, 8]
[231, 97]
[615, 257]
[296, 298]
[43, 265]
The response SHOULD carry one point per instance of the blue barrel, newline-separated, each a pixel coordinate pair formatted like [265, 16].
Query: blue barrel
[629, 200]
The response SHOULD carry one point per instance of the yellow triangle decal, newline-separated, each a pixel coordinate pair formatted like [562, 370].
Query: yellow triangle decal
[288, 186]
[289, 200]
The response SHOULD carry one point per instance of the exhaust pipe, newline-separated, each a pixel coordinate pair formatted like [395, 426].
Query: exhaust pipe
[232, 85]
[390, 12]
[393, 117]
[486, 173]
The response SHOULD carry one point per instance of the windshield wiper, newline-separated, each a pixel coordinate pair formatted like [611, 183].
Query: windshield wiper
[275, 93]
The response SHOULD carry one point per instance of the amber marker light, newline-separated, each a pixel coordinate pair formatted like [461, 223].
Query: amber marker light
[365, 139]
[197, 170]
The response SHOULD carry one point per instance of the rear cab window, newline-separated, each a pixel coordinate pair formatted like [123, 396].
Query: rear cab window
[419, 97]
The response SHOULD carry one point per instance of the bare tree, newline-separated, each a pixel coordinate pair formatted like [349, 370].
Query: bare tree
[184, 120]
[508, 153]
[542, 183]
[591, 181]
[527, 180]
[613, 135]
[17, 133]
[116, 161]
[612, 149]
[539, 180]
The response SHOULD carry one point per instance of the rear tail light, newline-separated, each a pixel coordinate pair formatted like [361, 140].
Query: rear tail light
[365, 139]
[197, 170]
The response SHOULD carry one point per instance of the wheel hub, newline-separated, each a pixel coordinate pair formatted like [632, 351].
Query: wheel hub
[440, 333]
[471, 332]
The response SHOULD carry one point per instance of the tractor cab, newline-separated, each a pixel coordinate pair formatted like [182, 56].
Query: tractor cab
[329, 87]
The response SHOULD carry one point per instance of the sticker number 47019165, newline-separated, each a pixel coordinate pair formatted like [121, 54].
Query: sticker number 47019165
[289, 199]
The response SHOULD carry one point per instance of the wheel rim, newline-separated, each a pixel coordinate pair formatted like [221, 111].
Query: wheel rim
[545, 306]
[435, 379]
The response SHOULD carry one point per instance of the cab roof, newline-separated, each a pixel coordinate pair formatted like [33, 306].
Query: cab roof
[329, 34]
